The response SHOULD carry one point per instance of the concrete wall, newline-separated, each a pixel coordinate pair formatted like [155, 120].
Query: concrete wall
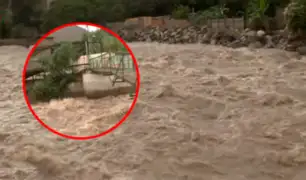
[236, 23]
[98, 86]
[167, 22]
[147, 21]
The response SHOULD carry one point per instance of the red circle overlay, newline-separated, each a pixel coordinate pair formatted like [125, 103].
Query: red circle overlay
[81, 137]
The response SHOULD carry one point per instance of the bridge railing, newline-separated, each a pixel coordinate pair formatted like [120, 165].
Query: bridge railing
[110, 61]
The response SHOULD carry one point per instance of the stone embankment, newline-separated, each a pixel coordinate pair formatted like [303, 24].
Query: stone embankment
[227, 37]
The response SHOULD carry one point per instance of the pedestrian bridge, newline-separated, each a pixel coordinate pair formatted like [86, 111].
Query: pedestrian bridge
[118, 65]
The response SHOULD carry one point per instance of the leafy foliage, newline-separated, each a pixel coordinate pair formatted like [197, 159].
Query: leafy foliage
[296, 16]
[95, 11]
[256, 13]
[55, 83]
[5, 24]
[29, 12]
[214, 12]
[181, 12]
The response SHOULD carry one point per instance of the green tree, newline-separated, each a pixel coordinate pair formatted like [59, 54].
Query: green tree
[68, 11]
[27, 13]
[60, 73]
[6, 24]
[94, 11]
[181, 12]
[296, 16]
[256, 13]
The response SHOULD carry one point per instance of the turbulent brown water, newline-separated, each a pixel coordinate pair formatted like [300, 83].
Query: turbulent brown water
[81, 116]
[204, 112]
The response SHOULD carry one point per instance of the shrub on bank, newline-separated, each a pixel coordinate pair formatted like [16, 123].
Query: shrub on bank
[60, 73]
[181, 12]
[295, 14]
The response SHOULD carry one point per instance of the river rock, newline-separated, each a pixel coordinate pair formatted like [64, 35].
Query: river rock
[301, 50]
[261, 33]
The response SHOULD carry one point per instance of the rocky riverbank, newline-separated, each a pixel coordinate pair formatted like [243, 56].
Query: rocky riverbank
[227, 37]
